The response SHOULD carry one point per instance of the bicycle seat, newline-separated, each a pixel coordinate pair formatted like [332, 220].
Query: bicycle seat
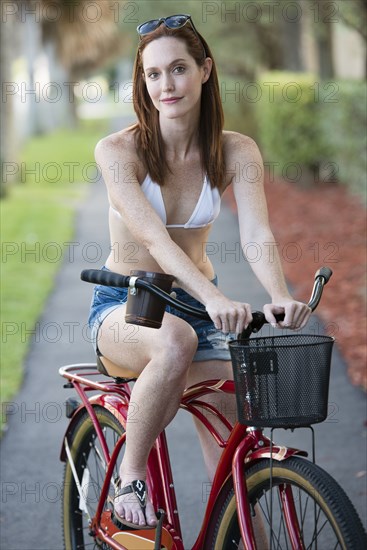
[109, 368]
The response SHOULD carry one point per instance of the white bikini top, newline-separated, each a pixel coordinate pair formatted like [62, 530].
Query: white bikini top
[205, 212]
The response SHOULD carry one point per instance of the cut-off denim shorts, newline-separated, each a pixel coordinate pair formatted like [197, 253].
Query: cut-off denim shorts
[212, 343]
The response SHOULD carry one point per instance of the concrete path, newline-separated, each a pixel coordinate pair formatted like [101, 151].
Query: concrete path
[31, 473]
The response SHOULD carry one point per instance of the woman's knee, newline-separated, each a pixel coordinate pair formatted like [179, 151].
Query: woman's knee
[179, 343]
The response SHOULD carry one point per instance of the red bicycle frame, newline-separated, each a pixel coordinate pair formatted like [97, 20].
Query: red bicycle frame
[243, 446]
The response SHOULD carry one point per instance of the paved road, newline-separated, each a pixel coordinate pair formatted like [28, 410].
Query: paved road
[31, 474]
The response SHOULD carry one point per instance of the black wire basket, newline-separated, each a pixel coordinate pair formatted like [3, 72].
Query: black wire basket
[282, 381]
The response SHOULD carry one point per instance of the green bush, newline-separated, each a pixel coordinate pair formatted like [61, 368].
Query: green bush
[238, 107]
[287, 115]
[345, 128]
[319, 126]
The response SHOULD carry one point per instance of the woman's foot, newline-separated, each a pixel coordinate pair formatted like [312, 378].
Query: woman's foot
[132, 506]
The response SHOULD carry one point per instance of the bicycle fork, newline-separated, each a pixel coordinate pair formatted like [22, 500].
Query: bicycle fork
[240, 489]
[259, 445]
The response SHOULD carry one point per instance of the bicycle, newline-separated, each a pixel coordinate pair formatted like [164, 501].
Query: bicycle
[301, 506]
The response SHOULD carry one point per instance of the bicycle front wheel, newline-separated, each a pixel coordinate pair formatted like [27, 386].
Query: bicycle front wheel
[322, 516]
[90, 469]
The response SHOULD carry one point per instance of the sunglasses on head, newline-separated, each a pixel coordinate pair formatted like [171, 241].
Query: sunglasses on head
[171, 22]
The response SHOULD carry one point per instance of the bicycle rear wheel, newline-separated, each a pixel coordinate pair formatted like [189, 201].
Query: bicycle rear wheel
[90, 468]
[323, 515]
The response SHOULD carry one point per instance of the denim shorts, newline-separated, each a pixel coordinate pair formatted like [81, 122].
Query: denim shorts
[212, 343]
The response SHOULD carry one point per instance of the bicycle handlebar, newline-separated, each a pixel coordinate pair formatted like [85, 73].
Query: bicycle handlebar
[109, 278]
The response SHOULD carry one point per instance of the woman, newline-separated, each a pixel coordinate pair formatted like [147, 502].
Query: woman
[173, 166]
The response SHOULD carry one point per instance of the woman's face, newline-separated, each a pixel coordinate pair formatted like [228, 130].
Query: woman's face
[173, 78]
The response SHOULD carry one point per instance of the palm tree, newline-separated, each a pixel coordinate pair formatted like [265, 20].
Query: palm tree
[85, 34]
[83, 37]
[76, 36]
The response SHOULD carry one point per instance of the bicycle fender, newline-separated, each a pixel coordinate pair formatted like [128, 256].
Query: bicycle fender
[114, 404]
[216, 500]
[109, 402]
[278, 452]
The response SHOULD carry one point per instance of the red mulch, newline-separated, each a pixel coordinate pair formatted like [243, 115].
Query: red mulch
[317, 226]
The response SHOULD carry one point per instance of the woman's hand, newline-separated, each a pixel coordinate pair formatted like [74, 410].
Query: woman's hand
[296, 314]
[229, 316]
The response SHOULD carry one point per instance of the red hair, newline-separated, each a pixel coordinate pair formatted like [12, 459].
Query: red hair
[148, 136]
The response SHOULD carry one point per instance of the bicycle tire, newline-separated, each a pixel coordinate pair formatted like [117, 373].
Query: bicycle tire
[87, 457]
[341, 526]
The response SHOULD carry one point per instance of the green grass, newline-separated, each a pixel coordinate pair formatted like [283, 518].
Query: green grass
[37, 217]
[62, 158]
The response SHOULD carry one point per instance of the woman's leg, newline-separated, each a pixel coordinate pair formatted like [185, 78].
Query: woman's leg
[224, 402]
[161, 358]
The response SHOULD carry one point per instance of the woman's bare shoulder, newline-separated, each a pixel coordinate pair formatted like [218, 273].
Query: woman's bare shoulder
[120, 145]
[240, 151]
[119, 148]
[236, 143]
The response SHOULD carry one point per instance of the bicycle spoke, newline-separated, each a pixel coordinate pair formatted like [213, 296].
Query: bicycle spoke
[96, 474]
[317, 532]
[101, 459]
[310, 511]
[282, 523]
[266, 516]
[282, 526]
[91, 468]
[303, 515]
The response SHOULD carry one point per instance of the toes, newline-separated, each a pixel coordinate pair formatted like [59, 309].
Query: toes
[135, 518]
[152, 522]
[127, 508]
[141, 519]
[120, 510]
[151, 518]
[128, 516]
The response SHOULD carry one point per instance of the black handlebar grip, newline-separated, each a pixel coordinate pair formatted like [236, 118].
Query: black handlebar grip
[279, 317]
[324, 272]
[106, 278]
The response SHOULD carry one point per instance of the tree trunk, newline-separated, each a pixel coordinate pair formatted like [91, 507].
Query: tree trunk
[8, 152]
[324, 42]
[32, 45]
[291, 18]
[63, 111]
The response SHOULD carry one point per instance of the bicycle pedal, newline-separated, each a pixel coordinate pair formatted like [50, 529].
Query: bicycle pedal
[142, 540]
[161, 514]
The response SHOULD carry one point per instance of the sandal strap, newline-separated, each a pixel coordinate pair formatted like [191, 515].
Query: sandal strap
[138, 487]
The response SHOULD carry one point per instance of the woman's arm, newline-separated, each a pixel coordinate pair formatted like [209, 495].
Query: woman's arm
[119, 164]
[255, 232]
